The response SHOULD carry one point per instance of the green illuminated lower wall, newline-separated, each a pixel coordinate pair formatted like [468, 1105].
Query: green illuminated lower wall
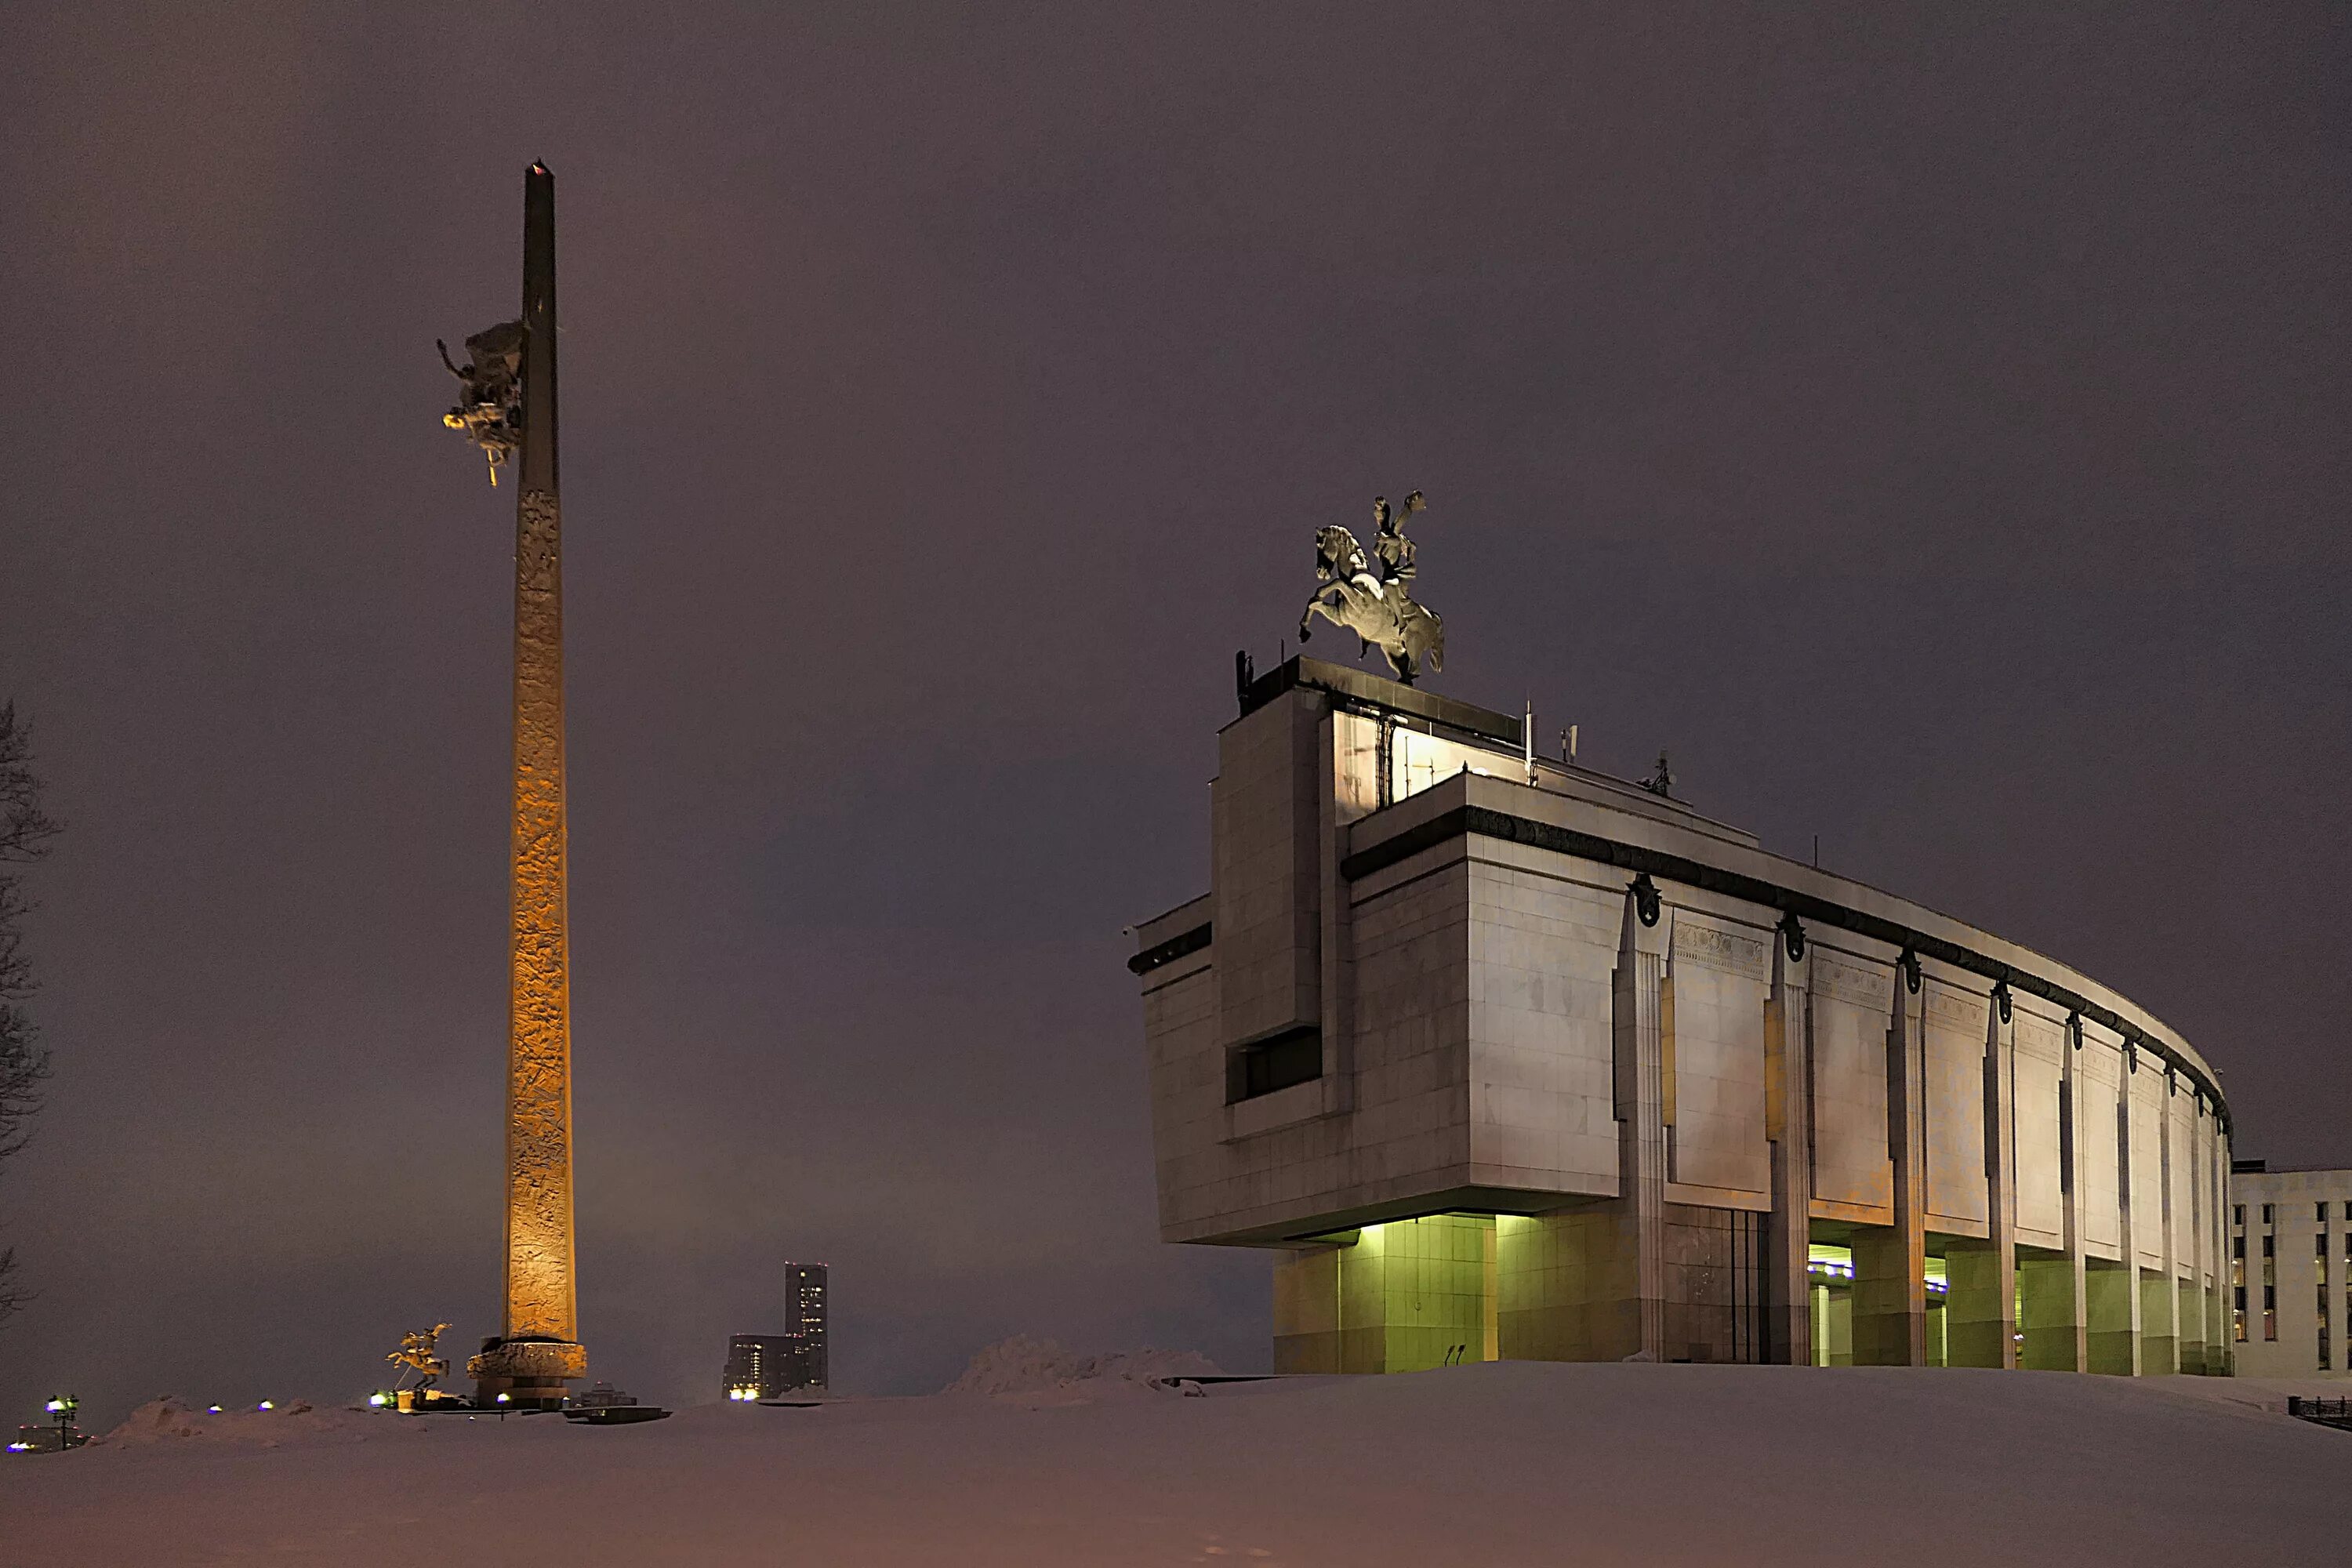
[1565, 1285]
[1418, 1293]
[1403, 1297]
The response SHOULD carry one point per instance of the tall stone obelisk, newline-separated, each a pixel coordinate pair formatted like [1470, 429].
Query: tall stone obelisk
[538, 1346]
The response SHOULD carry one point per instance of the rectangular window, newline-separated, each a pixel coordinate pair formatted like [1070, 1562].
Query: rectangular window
[2320, 1262]
[2237, 1248]
[1292, 1057]
[2238, 1214]
[2270, 1276]
[2321, 1217]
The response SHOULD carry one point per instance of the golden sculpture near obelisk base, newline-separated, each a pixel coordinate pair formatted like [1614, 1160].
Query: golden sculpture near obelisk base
[538, 1349]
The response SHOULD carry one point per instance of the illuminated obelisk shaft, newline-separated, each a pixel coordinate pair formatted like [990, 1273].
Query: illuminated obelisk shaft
[540, 1320]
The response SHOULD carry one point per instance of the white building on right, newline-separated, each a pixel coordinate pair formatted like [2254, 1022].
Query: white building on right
[2291, 1269]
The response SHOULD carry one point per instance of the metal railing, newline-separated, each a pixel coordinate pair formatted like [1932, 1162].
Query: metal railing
[2325, 1412]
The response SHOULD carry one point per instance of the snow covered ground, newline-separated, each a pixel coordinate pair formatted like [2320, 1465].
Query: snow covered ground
[1509, 1463]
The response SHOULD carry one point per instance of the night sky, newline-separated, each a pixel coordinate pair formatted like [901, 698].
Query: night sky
[1929, 423]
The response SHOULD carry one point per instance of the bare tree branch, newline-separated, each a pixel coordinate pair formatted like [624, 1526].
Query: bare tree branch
[26, 831]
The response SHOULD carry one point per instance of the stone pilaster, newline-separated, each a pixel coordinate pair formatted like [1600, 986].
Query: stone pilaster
[2159, 1297]
[1634, 1321]
[1787, 1125]
[1980, 1298]
[1890, 1262]
[2112, 1291]
[2221, 1308]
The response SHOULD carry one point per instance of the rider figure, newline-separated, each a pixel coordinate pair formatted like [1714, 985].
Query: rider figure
[1397, 554]
[1355, 566]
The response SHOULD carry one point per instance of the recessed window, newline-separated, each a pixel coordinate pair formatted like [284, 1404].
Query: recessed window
[2325, 1315]
[2238, 1214]
[2266, 1213]
[1293, 1057]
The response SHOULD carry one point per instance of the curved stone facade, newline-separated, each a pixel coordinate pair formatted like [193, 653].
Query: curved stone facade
[1517, 1060]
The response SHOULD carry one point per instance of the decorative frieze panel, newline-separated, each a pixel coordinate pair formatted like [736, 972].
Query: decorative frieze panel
[1697, 940]
[1850, 980]
[1960, 1009]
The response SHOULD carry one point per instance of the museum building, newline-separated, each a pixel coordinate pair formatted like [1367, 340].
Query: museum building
[1512, 1059]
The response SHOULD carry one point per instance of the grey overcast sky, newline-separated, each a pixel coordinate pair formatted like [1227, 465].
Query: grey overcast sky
[1928, 421]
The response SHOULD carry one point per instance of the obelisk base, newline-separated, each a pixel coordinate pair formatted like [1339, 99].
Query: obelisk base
[531, 1372]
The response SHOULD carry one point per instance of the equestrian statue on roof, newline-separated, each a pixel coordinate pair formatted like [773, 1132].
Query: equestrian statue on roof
[1368, 594]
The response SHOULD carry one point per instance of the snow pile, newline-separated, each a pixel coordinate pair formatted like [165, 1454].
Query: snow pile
[167, 1420]
[1023, 1367]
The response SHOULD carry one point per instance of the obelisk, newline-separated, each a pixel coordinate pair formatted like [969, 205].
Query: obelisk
[537, 1348]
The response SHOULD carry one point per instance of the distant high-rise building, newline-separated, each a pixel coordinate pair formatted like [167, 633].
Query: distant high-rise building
[763, 1366]
[804, 1320]
[759, 1366]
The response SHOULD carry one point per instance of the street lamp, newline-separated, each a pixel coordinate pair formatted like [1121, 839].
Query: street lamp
[63, 1406]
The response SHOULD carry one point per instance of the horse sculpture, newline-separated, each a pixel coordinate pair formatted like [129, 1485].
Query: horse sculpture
[417, 1352]
[1374, 604]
